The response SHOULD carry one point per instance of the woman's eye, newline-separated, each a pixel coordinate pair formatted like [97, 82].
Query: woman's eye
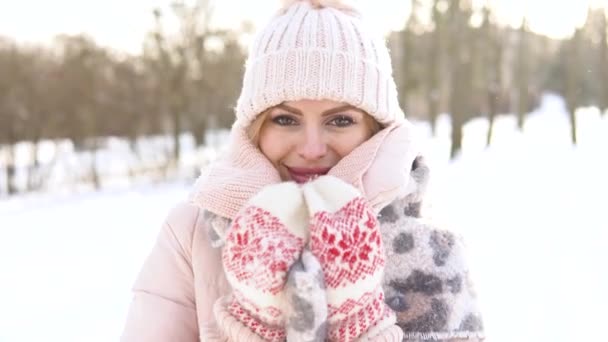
[284, 120]
[342, 121]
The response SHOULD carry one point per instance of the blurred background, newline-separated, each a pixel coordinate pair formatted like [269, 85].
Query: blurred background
[109, 110]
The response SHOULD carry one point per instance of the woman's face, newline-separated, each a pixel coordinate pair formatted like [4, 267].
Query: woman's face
[305, 139]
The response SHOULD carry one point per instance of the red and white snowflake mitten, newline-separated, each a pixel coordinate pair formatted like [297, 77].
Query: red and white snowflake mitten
[265, 239]
[345, 238]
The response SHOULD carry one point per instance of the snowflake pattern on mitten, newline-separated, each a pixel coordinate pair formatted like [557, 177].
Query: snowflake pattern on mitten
[260, 247]
[347, 243]
[260, 250]
[345, 237]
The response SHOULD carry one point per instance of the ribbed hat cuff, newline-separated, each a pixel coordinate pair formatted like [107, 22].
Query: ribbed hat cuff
[317, 74]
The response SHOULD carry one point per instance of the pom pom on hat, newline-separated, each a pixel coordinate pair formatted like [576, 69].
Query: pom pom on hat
[342, 5]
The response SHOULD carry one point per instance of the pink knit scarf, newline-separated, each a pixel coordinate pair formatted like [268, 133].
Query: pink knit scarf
[379, 168]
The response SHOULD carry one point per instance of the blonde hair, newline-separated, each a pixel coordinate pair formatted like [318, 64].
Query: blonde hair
[254, 129]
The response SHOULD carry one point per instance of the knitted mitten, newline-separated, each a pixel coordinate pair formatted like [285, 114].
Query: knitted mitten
[345, 238]
[264, 241]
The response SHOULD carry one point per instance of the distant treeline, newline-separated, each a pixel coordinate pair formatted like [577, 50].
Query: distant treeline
[450, 58]
[453, 58]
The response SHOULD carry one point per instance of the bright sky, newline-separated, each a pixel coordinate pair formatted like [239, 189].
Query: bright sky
[123, 24]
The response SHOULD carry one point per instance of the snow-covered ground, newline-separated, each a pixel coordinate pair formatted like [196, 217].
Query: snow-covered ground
[67, 263]
[62, 167]
[532, 209]
[534, 212]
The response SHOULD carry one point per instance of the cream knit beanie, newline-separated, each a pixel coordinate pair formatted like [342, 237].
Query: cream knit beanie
[319, 49]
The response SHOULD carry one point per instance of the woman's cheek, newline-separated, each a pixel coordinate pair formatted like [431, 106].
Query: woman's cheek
[273, 144]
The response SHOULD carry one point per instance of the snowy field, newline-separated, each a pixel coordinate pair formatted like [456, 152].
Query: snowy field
[532, 209]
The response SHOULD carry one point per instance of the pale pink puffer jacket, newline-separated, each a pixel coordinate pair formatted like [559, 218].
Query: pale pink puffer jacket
[178, 284]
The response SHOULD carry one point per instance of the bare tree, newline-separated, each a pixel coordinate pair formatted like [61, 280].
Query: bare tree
[170, 69]
[195, 35]
[14, 111]
[224, 71]
[410, 64]
[436, 62]
[85, 98]
[180, 64]
[461, 47]
[10, 116]
[492, 67]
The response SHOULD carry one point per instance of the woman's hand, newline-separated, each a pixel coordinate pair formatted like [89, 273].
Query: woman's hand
[345, 238]
[264, 241]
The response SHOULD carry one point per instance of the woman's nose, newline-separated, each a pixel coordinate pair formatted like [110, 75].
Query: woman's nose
[312, 145]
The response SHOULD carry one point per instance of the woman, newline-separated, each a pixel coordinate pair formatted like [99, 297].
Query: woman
[308, 229]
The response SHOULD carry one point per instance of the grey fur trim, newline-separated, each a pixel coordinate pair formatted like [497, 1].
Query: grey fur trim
[426, 279]
[217, 226]
[420, 175]
[410, 203]
[306, 310]
[440, 336]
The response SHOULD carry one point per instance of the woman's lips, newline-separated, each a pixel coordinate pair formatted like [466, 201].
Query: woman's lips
[302, 174]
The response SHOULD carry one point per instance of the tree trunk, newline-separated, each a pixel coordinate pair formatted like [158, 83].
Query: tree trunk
[34, 180]
[460, 101]
[492, 109]
[572, 81]
[434, 70]
[604, 66]
[11, 171]
[462, 71]
[456, 137]
[572, 115]
[177, 119]
[433, 111]
[494, 67]
[133, 147]
[95, 176]
[33, 174]
[522, 76]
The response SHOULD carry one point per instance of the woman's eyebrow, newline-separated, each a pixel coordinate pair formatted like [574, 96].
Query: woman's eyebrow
[289, 109]
[325, 113]
[337, 110]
